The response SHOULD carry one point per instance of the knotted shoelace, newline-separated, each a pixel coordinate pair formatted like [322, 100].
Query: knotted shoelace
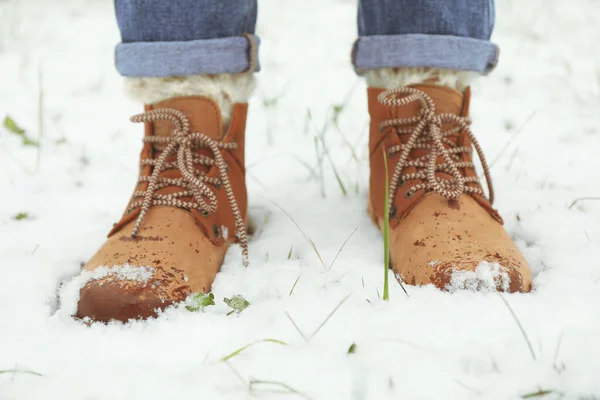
[193, 183]
[428, 135]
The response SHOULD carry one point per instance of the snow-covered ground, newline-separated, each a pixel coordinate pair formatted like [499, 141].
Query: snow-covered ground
[537, 117]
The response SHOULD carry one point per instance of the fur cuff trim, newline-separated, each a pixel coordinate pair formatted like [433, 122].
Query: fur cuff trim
[224, 89]
[389, 78]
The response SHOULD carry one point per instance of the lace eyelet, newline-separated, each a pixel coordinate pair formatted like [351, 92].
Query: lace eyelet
[204, 213]
[400, 182]
[393, 211]
[216, 231]
[409, 194]
[218, 185]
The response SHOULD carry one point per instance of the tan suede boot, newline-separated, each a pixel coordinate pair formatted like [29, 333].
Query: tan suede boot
[443, 230]
[189, 206]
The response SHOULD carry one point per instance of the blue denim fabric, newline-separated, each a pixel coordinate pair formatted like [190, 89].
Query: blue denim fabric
[187, 37]
[426, 33]
[184, 37]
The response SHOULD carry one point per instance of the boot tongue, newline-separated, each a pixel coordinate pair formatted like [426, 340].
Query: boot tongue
[202, 113]
[446, 100]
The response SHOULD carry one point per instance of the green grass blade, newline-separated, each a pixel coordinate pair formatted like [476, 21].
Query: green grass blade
[386, 233]
[13, 127]
[539, 393]
[19, 371]
[282, 385]
[294, 285]
[21, 216]
[238, 351]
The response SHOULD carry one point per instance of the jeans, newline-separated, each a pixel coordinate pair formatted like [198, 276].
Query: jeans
[189, 37]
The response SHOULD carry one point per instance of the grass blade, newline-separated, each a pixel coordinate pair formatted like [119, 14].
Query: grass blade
[520, 327]
[12, 126]
[539, 393]
[311, 170]
[352, 349]
[308, 239]
[557, 350]
[581, 199]
[335, 171]
[236, 373]
[329, 316]
[320, 166]
[399, 280]
[342, 247]
[296, 326]
[40, 117]
[386, 233]
[19, 371]
[307, 339]
[238, 351]
[511, 140]
[282, 385]
[294, 285]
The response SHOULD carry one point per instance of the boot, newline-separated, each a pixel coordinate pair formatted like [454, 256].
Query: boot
[188, 207]
[442, 228]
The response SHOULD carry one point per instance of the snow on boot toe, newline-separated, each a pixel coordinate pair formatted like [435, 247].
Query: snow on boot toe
[443, 230]
[113, 298]
[181, 218]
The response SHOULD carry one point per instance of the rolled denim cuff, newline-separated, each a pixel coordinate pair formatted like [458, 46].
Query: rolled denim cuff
[419, 50]
[228, 55]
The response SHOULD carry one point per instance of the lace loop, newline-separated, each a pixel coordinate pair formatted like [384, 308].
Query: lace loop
[192, 183]
[428, 135]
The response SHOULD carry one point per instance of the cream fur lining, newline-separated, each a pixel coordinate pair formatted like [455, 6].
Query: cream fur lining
[389, 78]
[224, 89]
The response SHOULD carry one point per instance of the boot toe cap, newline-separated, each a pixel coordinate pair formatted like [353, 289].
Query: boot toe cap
[479, 276]
[458, 247]
[110, 298]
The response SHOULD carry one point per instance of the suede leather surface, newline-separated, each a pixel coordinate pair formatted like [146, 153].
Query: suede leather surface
[432, 237]
[184, 248]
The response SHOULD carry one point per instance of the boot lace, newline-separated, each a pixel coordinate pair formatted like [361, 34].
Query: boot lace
[193, 183]
[427, 134]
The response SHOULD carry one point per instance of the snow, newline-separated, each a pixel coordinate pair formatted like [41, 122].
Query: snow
[537, 118]
[69, 291]
[120, 272]
[486, 278]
